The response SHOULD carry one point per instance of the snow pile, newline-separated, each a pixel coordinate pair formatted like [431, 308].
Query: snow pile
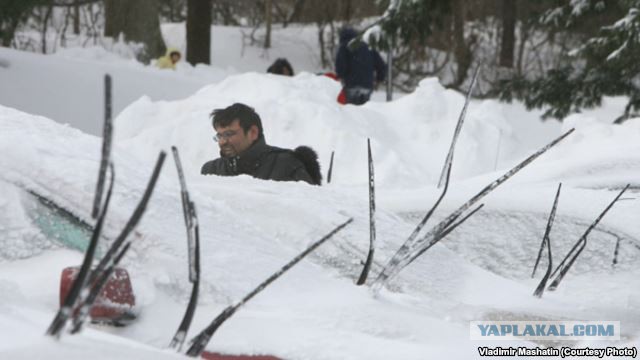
[67, 85]
[410, 136]
[19, 238]
[70, 90]
[598, 155]
[98, 54]
[27, 303]
[241, 246]
[250, 228]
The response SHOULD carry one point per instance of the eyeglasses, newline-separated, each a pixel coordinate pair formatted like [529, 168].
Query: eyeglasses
[225, 135]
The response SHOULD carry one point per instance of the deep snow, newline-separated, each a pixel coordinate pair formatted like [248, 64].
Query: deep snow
[250, 227]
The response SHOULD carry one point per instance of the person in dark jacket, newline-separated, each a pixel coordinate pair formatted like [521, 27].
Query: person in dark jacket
[359, 68]
[243, 150]
[281, 67]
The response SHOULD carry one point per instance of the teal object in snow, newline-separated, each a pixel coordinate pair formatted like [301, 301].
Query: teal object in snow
[59, 224]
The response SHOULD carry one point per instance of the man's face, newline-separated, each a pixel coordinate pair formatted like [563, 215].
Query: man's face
[175, 57]
[232, 139]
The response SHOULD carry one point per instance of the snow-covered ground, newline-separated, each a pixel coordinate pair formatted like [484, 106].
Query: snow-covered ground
[68, 83]
[250, 228]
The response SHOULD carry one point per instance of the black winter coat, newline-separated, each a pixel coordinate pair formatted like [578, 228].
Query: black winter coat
[356, 67]
[263, 162]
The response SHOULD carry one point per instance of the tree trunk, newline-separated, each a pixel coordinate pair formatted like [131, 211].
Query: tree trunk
[323, 53]
[524, 37]
[76, 18]
[114, 17]
[298, 6]
[348, 11]
[461, 49]
[331, 44]
[45, 28]
[139, 22]
[199, 31]
[267, 15]
[507, 43]
[8, 32]
[109, 18]
[391, 45]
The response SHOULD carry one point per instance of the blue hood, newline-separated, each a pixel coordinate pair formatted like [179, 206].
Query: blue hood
[347, 34]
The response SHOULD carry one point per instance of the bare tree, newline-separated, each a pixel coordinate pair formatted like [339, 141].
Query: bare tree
[347, 10]
[76, 18]
[173, 10]
[507, 43]
[12, 14]
[461, 48]
[45, 27]
[267, 14]
[199, 31]
[293, 13]
[225, 12]
[139, 22]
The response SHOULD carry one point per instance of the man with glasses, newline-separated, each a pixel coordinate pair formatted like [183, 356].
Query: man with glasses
[243, 150]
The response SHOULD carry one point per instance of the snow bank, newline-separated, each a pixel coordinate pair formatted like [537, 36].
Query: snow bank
[240, 248]
[69, 87]
[410, 137]
[315, 311]
[250, 227]
[598, 155]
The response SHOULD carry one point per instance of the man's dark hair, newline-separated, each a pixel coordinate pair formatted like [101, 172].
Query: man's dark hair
[245, 115]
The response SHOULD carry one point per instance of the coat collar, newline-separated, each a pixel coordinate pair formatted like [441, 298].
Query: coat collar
[248, 161]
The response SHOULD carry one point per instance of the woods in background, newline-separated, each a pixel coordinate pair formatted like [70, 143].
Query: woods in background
[560, 55]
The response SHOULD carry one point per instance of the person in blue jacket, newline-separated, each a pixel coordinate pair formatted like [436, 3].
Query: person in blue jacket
[360, 69]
